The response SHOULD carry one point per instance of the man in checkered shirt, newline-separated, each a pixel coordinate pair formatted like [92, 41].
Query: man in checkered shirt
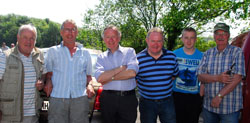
[221, 71]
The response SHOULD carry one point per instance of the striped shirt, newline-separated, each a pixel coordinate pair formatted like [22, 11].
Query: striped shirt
[69, 72]
[2, 64]
[29, 82]
[29, 86]
[108, 61]
[214, 63]
[155, 75]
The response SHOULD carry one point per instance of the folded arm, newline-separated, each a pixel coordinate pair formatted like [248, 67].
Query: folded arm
[110, 75]
[207, 78]
[236, 79]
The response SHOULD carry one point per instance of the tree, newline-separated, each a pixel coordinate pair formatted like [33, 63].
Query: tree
[51, 36]
[9, 25]
[90, 38]
[47, 31]
[171, 15]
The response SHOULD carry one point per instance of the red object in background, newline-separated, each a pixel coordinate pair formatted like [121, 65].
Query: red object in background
[243, 41]
[246, 82]
[97, 99]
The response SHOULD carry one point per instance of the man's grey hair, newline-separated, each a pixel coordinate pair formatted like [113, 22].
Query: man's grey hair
[155, 29]
[68, 21]
[113, 28]
[29, 27]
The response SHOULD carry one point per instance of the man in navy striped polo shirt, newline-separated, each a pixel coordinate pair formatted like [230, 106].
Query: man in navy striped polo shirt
[157, 69]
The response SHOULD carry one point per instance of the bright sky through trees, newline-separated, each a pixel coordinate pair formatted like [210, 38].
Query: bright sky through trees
[55, 10]
[60, 10]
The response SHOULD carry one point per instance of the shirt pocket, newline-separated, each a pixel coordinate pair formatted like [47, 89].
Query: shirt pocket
[80, 64]
[7, 105]
[59, 64]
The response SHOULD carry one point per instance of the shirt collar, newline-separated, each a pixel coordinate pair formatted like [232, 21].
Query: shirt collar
[120, 49]
[78, 45]
[225, 51]
[31, 54]
[164, 51]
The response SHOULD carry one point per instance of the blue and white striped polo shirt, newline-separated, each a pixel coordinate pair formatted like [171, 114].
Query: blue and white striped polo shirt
[29, 86]
[155, 75]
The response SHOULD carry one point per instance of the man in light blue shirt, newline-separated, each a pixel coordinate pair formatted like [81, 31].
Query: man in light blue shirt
[71, 66]
[116, 69]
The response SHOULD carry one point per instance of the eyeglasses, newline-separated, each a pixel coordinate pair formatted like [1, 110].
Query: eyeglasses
[221, 34]
[67, 30]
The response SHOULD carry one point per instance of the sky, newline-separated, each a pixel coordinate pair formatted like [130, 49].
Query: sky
[60, 10]
[55, 10]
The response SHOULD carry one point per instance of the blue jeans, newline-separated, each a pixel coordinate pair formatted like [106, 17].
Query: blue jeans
[149, 110]
[210, 117]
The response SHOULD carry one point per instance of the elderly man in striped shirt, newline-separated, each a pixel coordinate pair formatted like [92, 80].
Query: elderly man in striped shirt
[221, 70]
[157, 69]
[71, 66]
[22, 74]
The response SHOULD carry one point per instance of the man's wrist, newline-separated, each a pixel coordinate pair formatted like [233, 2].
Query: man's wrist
[217, 78]
[220, 96]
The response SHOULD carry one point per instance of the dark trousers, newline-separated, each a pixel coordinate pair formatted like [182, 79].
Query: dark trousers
[187, 107]
[118, 109]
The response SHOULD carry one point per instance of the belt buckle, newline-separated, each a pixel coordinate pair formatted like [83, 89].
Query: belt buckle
[122, 93]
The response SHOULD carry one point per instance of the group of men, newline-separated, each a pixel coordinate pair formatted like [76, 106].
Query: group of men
[170, 84]
[66, 68]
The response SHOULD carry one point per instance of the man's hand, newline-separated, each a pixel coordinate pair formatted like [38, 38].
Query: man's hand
[225, 78]
[216, 102]
[202, 90]
[48, 87]
[39, 84]
[124, 67]
[90, 91]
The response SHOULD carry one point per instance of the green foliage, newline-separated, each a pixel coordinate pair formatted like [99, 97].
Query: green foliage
[47, 31]
[204, 45]
[136, 17]
[90, 39]
[201, 44]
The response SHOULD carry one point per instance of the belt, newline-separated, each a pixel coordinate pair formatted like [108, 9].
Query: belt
[156, 100]
[120, 93]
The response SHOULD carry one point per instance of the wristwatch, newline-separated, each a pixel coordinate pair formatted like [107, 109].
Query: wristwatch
[219, 95]
[90, 84]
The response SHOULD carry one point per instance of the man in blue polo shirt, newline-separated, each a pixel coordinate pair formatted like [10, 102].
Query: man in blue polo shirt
[157, 69]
